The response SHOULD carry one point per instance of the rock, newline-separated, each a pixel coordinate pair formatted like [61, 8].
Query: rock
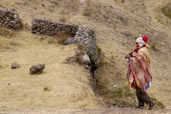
[83, 58]
[46, 88]
[15, 65]
[37, 69]
[68, 41]
[10, 19]
[86, 59]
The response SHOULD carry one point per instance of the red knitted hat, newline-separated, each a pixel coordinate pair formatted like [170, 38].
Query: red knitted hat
[145, 38]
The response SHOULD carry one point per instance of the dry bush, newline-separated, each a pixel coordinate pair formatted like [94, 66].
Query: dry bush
[153, 46]
[52, 40]
[59, 38]
[167, 10]
[99, 49]
[62, 37]
[62, 19]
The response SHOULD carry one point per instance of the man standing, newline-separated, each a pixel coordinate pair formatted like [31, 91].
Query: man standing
[139, 73]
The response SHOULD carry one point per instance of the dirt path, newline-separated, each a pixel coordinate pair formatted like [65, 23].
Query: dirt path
[93, 111]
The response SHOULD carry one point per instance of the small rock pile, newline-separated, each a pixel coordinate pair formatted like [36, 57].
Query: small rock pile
[46, 27]
[10, 19]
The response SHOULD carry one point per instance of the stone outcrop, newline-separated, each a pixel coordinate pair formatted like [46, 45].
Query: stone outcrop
[46, 27]
[10, 19]
[86, 39]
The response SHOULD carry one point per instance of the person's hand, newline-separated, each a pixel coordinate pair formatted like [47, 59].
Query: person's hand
[126, 56]
[129, 84]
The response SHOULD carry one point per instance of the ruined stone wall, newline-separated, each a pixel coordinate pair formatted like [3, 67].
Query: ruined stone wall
[46, 27]
[81, 35]
[10, 19]
[87, 39]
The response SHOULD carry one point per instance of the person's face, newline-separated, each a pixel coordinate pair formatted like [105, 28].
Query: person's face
[137, 46]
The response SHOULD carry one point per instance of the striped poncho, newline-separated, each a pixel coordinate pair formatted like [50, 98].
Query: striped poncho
[139, 73]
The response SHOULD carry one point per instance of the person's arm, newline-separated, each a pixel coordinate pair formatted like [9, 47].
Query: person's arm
[131, 53]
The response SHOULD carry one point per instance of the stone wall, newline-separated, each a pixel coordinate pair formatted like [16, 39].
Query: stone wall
[86, 38]
[46, 27]
[10, 19]
[81, 35]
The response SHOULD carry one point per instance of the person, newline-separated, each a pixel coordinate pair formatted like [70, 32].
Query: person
[139, 73]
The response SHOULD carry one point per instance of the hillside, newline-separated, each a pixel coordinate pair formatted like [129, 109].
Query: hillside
[117, 24]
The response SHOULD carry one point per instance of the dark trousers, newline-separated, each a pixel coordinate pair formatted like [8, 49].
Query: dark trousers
[142, 97]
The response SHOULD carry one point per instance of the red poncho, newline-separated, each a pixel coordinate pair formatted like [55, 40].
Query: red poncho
[139, 73]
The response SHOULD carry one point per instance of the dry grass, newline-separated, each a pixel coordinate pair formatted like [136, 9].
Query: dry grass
[121, 96]
[153, 46]
[115, 92]
[58, 39]
[14, 43]
[7, 33]
[60, 86]
[8, 43]
[62, 19]
[52, 40]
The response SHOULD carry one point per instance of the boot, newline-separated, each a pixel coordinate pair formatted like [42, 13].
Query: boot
[151, 104]
[140, 107]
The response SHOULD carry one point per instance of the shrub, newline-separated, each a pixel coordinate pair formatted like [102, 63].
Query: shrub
[153, 46]
[99, 49]
[62, 19]
[167, 10]
[62, 37]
